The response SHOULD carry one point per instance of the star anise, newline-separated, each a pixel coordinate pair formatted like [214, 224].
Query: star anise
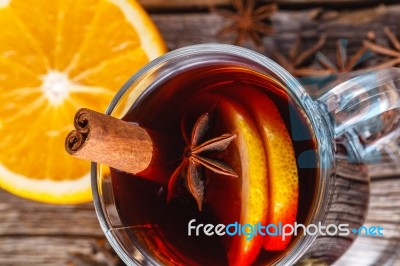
[248, 21]
[343, 63]
[392, 52]
[196, 159]
[295, 60]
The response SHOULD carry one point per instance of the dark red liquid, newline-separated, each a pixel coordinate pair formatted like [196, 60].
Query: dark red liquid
[159, 227]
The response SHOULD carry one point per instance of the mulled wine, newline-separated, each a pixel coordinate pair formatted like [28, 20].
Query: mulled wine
[244, 154]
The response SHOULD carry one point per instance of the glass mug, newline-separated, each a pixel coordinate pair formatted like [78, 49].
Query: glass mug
[351, 125]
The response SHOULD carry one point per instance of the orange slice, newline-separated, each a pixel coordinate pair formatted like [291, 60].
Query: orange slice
[253, 178]
[56, 57]
[282, 170]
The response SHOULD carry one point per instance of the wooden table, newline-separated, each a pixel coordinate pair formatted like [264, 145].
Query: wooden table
[39, 234]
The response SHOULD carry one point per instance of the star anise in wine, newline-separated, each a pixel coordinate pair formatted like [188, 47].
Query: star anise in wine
[248, 21]
[196, 159]
[392, 52]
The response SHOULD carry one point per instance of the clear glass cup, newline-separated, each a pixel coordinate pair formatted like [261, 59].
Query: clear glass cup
[353, 125]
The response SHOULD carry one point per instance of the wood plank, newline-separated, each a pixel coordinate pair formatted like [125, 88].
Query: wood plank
[384, 210]
[364, 249]
[185, 29]
[42, 250]
[160, 5]
[22, 217]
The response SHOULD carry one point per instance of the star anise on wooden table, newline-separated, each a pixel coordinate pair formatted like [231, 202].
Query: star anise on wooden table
[248, 21]
[392, 52]
[296, 59]
[196, 159]
[343, 63]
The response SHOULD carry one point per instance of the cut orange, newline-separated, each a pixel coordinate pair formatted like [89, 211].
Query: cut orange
[283, 183]
[56, 57]
[244, 248]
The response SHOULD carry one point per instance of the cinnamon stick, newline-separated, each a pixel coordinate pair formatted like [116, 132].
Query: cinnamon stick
[119, 144]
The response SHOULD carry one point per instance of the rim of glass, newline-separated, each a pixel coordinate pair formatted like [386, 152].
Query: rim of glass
[297, 91]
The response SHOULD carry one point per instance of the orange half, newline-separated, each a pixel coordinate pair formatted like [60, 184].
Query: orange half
[56, 57]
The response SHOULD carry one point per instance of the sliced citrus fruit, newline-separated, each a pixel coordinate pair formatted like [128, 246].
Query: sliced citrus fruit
[56, 57]
[250, 157]
[282, 170]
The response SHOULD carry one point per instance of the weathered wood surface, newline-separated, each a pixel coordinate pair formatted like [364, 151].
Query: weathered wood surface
[40, 234]
[162, 5]
[184, 29]
[384, 210]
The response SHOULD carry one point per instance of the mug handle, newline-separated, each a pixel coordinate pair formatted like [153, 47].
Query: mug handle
[363, 117]
[364, 113]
